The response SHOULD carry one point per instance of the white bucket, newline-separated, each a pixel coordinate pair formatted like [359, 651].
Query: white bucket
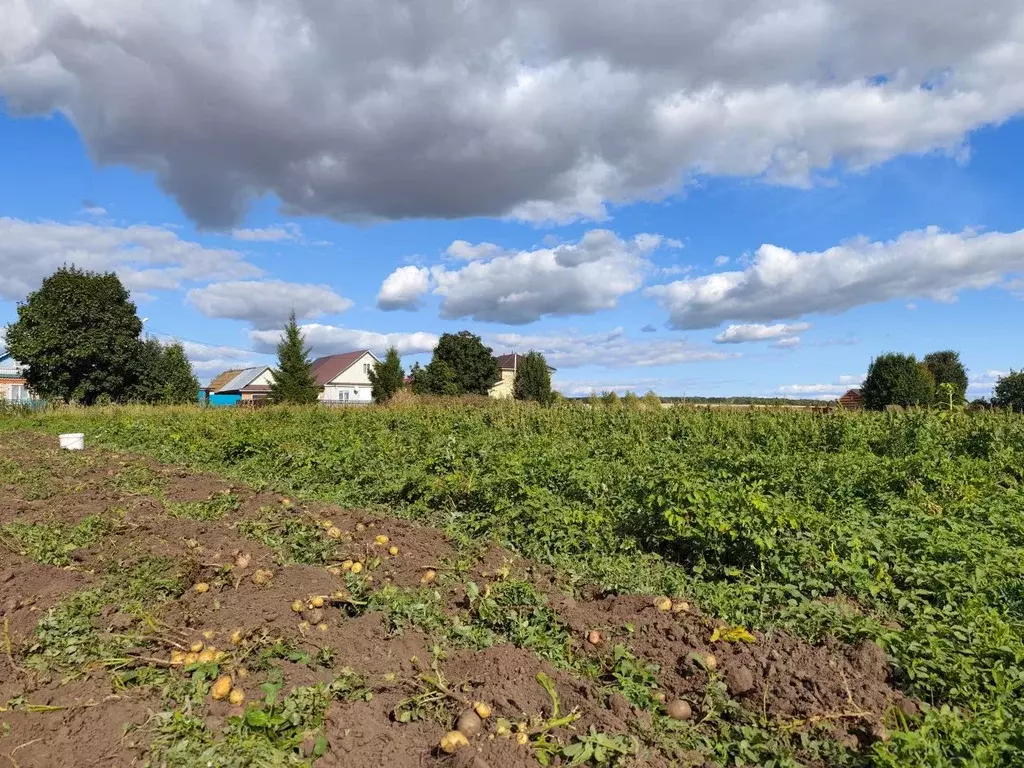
[74, 441]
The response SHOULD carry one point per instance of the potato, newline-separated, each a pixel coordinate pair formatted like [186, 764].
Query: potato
[209, 634]
[679, 710]
[297, 606]
[315, 616]
[334, 533]
[327, 524]
[197, 646]
[663, 604]
[317, 601]
[392, 550]
[469, 724]
[381, 539]
[429, 576]
[347, 565]
[261, 577]
[177, 657]
[236, 637]
[522, 738]
[191, 658]
[237, 697]
[681, 607]
[482, 709]
[242, 561]
[711, 662]
[201, 587]
[360, 527]
[322, 626]
[357, 567]
[207, 657]
[453, 741]
[594, 637]
[221, 688]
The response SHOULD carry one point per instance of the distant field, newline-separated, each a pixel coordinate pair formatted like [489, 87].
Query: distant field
[905, 529]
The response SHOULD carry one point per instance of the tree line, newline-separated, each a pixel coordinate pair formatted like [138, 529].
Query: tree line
[938, 380]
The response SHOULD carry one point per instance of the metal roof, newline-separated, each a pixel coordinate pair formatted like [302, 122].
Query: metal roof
[327, 369]
[242, 380]
[9, 367]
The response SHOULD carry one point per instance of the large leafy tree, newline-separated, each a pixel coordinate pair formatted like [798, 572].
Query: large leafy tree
[293, 378]
[178, 381]
[1009, 392]
[896, 379]
[533, 378]
[438, 378]
[946, 368]
[78, 336]
[471, 362]
[387, 376]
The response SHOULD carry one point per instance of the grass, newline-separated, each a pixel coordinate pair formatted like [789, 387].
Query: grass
[906, 528]
[52, 543]
[213, 508]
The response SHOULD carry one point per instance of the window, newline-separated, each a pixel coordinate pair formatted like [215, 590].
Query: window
[366, 368]
[16, 393]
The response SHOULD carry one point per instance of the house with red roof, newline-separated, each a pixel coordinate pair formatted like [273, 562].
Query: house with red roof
[345, 378]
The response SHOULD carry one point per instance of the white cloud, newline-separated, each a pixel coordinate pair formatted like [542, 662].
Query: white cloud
[533, 109]
[782, 284]
[568, 279]
[330, 339]
[837, 389]
[721, 261]
[91, 209]
[467, 251]
[583, 388]
[146, 257]
[981, 384]
[739, 334]
[404, 288]
[789, 342]
[612, 349]
[266, 302]
[268, 234]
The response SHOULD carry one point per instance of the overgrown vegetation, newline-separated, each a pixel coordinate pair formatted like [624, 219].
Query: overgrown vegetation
[906, 528]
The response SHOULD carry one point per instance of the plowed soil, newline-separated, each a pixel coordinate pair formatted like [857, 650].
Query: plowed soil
[103, 683]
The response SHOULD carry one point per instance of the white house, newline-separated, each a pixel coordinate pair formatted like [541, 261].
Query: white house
[13, 387]
[345, 378]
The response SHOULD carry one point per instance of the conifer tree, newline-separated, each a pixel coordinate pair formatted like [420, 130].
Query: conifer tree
[387, 377]
[293, 378]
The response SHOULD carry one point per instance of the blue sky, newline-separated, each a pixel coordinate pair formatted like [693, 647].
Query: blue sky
[759, 219]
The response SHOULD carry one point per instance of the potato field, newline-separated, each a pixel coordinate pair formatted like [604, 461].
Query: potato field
[494, 586]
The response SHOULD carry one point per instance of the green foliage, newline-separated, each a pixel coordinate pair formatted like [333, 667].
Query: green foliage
[610, 399]
[472, 363]
[294, 382]
[387, 376]
[946, 369]
[178, 380]
[53, 543]
[438, 378]
[903, 528]
[78, 335]
[1009, 392]
[895, 379]
[598, 749]
[213, 508]
[651, 400]
[533, 378]
[293, 539]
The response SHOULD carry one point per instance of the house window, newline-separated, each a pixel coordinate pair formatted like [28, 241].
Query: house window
[366, 368]
[16, 393]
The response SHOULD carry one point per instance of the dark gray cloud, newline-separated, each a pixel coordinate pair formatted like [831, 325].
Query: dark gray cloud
[531, 109]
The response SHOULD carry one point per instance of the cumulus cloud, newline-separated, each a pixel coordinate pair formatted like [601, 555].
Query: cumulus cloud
[210, 359]
[146, 257]
[265, 303]
[639, 386]
[836, 389]
[467, 251]
[739, 334]
[788, 342]
[568, 279]
[532, 109]
[404, 288]
[330, 340]
[781, 284]
[611, 349]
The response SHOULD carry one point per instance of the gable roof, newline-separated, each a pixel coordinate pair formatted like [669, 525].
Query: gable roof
[327, 369]
[9, 367]
[510, 362]
[242, 379]
[223, 378]
[852, 399]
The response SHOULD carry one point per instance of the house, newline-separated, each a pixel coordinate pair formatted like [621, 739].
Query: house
[13, 386]
[852, 400]
[507, 365]
[345, 378]
[246, 385]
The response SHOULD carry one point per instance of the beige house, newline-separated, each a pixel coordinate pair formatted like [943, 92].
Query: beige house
[345, 378]
[508, 364]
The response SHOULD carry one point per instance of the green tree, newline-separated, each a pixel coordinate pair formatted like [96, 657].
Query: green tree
[438, 378]
[387, 377]
[651, 400]
[610, 399]
[1009, 391]
[179, 384]
[473, 364]
[78, 335]
[293, 378]
[533, 378]
[896, 379]
[946, 368]
[631, 401]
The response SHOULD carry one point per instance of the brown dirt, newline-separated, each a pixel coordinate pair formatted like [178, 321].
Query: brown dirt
[777, 675]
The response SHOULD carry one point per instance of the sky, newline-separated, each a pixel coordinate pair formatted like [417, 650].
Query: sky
[747, 197]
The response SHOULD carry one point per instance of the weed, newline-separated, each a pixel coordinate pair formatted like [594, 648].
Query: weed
[294, 540]
[52, 543]
[213, 508]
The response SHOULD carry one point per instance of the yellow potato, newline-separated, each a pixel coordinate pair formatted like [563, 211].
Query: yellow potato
[221, 688]
[347, 565]
[357, 567]
[663, 604]
[297, 606]
[482, 709]
[236, 637]
[201, 587]
[381, 539]
[197, 646]
[429, 576]
[453, 741]
[317, 601]
[334, 533]
[237, 697]
[392, 550]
